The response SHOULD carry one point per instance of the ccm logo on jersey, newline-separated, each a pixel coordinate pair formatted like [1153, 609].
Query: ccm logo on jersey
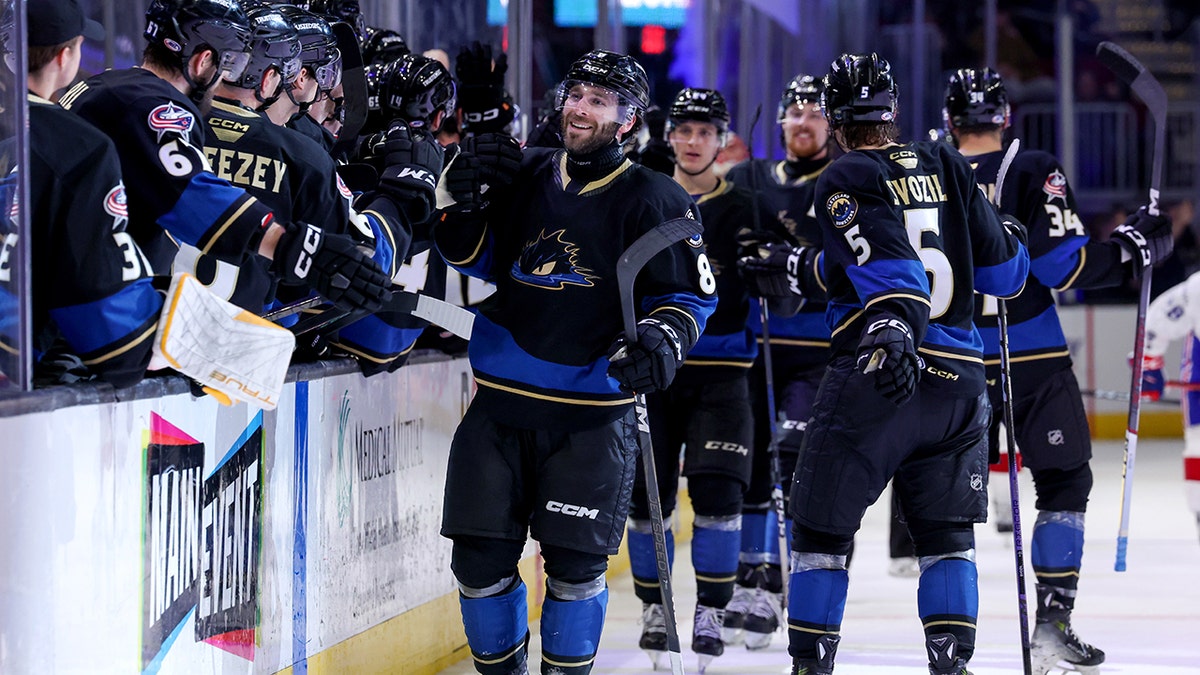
[572, 510]
[727, 446]
[170, 117]
[798, 425]
[944, 374]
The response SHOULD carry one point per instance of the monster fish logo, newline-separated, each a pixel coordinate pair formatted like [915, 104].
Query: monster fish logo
[550, 262]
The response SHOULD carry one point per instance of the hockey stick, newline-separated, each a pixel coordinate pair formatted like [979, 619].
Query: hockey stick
[440, 313]
[1010, 435]
[1147, 88]
[354, 88]
[285, 311]
[777, 503]
[631, 262]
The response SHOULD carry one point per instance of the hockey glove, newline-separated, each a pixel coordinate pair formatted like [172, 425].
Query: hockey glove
[755, 242]
[1153, 381]
[486, 106]
[1146, 238]
[411, 161]
[886, 350]
[650, 363]
[1015, 227]
[332, 265]
[499, 157]
[463, 181]
[783, 272]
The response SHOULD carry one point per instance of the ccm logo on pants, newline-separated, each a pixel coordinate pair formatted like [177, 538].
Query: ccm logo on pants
[572, 510]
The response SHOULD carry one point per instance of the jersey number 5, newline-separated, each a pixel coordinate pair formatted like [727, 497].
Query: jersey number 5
[937, 265]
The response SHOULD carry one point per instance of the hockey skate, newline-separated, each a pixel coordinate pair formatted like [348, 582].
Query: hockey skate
[763, 619]
[735, 614]
[706, 635]
[654, 632]
[1057, 649]
[823, 664]
[942, 649]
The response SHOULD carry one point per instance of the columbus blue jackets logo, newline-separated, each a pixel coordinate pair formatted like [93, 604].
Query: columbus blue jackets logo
[117, 206]
[842, 209]
[170, 117]
[1055, 186]
[551, 262]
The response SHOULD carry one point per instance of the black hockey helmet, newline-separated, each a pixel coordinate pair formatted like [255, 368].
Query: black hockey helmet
[699, 105]
[383, 45]
[802, 89]
[274, 43]
[619, 73]
[414, 88]
[318, 46]
[184, 27]
[975, 97]
[859, 88]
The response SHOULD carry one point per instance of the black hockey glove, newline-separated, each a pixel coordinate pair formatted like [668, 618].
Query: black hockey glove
[463, 181]
[1146, 238]
[783, 271]
[886, 349]
[650, 363]
[486, 106]
[499, 157]
[547, 133]
[412, 161]
[1015, 227]
[332, 265]
[754, 242]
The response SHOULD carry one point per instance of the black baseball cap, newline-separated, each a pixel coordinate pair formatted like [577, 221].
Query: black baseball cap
[53, 22]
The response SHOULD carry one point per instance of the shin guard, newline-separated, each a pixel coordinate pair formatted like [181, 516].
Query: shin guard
[948, 598]
[497, 629]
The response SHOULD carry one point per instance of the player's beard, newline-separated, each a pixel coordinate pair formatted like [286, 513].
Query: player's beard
[806, 142]
[581, 142]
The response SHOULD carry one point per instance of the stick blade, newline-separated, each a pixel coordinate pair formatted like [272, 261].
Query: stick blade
[641, 251]
[1131, 71]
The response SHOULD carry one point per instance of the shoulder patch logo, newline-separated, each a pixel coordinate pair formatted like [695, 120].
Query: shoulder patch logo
[695, 241]
[551, 262]
[905, 158]
[170, 117]
[1055, 186]
[342, 189]
[117, 206]
[842, 209]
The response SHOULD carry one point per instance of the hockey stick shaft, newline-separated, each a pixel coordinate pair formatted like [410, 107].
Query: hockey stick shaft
[1148, 89]
[631, 262]
[1011, 437]
[778, 505]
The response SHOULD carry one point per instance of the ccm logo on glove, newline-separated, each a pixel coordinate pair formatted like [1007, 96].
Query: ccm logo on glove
[312, 241]
[420, 174]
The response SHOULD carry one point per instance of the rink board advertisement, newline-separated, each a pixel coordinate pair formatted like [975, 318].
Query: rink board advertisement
[174, 535]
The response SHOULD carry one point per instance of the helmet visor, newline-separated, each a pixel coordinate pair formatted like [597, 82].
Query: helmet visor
[233, 64]
[329, 75]
[600, 102]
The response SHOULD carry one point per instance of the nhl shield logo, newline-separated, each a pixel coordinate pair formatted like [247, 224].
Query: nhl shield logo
[977, 482]
[1055, 437]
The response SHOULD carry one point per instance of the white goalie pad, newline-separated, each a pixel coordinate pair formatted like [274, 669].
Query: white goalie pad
[234, 354]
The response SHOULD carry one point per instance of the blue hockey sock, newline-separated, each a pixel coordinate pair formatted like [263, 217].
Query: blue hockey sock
[1057, 553]
[948, 600]
[643, 562]
[816, 603]
[571, 632]
[715, 542]
[497, 629]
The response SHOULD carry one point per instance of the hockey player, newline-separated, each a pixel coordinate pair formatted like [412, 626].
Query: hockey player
[706, 409]
[91, 283]
[1172, 316]
[908, 236]
[799, 344]
[1051, 425]
[153, 115]
[320, 72]
[548, 446]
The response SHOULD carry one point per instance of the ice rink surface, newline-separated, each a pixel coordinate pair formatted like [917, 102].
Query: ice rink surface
[1147, 619]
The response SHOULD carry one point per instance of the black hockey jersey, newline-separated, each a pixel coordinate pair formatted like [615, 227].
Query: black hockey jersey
[800, 341]
[91, 283]
[306, 125]
[173, 195]
[909, 234]
[550, 244]
[727, 347]
[1062, 256]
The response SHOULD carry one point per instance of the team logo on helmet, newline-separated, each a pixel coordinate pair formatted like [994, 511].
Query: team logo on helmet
[551, 262]
[117, 205]
[842, 209]
[170, 117]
